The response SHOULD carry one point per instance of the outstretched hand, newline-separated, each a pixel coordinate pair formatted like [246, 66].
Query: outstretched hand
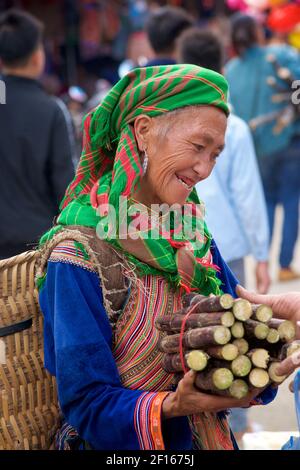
[285, 306]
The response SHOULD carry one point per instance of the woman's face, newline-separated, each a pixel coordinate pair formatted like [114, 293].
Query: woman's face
[182, 149]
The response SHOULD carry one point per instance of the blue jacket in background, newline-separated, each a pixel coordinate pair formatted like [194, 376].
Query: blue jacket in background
[251, 95]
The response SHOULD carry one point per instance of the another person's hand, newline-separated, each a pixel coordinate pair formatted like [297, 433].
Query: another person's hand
[285, 306]
[187, 400]
[263, 279]
[289, 365]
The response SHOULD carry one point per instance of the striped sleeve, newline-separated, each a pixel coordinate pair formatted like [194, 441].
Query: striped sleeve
[147, 420]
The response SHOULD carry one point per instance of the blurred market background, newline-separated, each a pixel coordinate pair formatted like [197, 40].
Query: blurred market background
[91, 44]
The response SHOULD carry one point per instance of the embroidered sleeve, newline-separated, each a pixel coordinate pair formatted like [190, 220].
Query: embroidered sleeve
[72, 252]
[147, 420]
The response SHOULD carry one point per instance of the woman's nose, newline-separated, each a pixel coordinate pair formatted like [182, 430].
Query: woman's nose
[204, 168]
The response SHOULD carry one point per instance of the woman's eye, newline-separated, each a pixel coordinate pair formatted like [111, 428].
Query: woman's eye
[198, 147]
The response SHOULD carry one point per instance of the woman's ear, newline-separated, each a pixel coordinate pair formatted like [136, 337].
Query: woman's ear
[142, 127]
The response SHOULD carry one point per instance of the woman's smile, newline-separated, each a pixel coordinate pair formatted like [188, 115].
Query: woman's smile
[186, 182]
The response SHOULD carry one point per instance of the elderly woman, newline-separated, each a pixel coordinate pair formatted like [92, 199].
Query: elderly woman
[111, 273]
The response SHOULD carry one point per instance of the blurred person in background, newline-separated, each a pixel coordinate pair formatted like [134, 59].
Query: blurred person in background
[233, 193]
[254, 83]
[35, 142]
[163, 27]
[285, 306]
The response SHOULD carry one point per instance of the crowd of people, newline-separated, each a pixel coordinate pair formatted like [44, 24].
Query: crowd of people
[153, 137]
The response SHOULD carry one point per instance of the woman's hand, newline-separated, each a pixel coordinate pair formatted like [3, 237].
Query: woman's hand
[285, 306]
[187, 400]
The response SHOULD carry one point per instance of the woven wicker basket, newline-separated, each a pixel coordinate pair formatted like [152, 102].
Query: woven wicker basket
[29, 414]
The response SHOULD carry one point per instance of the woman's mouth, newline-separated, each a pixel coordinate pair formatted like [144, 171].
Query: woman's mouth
[185, 181]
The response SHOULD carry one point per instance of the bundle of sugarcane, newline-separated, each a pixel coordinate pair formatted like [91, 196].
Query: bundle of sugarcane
[232, 344]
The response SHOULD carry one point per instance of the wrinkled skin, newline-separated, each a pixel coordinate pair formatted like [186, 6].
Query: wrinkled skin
[185, 145]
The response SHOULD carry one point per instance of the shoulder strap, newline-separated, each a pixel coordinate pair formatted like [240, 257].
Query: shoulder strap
[108, 262]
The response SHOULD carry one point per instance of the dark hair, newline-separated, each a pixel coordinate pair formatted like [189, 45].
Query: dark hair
[244, 32]
[164, 26]
[20, 35]
[200, 47]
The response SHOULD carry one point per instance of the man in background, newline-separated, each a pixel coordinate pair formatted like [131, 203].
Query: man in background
[35, 144]
[163, 27]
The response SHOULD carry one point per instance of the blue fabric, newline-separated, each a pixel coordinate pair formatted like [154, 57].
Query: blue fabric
[251, 96]
[77, 346]
[294, 442]
[234, 200]
[281, 180]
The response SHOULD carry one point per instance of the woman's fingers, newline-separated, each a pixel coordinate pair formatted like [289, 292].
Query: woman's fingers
[290, 364]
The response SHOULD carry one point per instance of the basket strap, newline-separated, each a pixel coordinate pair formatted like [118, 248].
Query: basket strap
[15, 327]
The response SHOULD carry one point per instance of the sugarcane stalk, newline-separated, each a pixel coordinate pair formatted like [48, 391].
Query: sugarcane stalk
[241, 366]
[228, 352]
[285, 328]
[273, 336]
[272, 373]
[237, 330]
[256, 329]
[259, 378]
[197, 338]
[214, 380]
[242, 345]
[195, 320]
[288, 349]
[188, 299]
[259, 357]
[242, 309]
[211, 303]
[262, 313]
[195, 360]
[238, 389]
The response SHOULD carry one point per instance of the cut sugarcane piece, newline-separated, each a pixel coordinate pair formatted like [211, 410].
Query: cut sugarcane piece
[214, 380]
[212, 303]
[242, 345]
[256, 329]
[259, 378]
[242, 309]
[228, 352]
[195, 320]
[237, 330]
[273, 336]
[288, 349]
[262, 313]
[259, 357]
[197, 338]
[238, 389]
[227, 319]
[196, 360]
[241, 366]
[272, 374]
[285, 328]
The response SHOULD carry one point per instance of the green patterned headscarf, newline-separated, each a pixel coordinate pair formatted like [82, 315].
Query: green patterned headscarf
[110, 167]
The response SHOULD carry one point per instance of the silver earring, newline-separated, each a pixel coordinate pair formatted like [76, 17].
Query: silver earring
[145, 162]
